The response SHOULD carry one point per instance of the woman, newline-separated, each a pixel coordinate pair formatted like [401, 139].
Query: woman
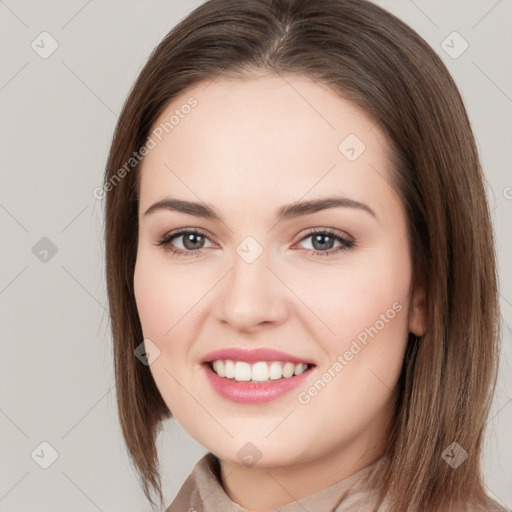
[332, 338]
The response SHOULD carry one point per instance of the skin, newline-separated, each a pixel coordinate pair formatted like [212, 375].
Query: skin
[247, 148]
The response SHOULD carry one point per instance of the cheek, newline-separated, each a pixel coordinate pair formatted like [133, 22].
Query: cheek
[367, 308]
[375, 323]
[346, 299]
[163, 296]
[164, 303]
[149, 289]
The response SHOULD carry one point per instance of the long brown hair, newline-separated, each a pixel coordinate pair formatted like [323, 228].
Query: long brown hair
[371, 58]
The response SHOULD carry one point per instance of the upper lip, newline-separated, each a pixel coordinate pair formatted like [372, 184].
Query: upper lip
[252, 355]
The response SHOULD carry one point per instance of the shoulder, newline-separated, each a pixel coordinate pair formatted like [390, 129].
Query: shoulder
[202, 486]
[202, 477]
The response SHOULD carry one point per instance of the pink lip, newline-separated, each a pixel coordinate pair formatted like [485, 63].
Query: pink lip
[252, 355]
[253, 392]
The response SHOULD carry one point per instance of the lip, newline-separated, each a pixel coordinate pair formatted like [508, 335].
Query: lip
[253, 392]
[252, 355]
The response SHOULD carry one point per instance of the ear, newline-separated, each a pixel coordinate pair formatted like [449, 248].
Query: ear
[418, 311]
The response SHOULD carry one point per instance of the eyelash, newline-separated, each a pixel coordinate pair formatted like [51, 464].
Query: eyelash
[347, 243]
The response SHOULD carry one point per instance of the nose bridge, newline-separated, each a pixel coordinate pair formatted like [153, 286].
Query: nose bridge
[251, 294]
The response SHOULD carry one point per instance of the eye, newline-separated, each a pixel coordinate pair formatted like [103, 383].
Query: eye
[193, 241]
[324, 238]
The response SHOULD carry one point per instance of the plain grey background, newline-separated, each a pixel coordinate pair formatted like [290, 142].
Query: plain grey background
[58, 113]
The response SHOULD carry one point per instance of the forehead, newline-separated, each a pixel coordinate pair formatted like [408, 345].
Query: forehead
[263, 136]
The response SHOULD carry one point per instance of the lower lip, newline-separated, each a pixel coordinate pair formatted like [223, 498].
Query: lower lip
[253, 392]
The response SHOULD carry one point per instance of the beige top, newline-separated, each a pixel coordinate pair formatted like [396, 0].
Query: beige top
[359, 492]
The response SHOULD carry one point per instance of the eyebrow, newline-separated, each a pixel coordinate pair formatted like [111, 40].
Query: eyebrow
[288, 211]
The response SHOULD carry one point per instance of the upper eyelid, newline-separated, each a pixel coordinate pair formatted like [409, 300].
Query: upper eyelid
[184, 231]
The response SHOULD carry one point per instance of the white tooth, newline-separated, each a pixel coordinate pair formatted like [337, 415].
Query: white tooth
[276, 370]
[299, 368]
[288, 370]
[221, 371]
[242, 371]
[229, 369]
[260, 371]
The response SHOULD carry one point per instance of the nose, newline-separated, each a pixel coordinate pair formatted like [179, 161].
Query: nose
[251, 296]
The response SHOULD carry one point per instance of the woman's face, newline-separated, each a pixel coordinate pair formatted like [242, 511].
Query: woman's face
[327, 284]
